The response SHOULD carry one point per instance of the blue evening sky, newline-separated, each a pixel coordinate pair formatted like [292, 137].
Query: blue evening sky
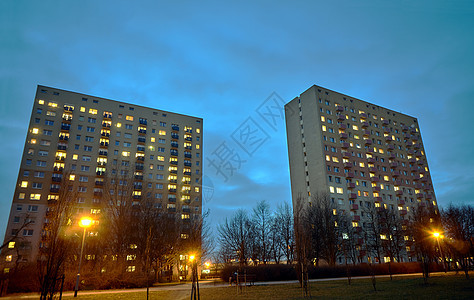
[221, 60]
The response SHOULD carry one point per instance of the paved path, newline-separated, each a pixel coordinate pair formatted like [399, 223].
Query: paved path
[185, 288]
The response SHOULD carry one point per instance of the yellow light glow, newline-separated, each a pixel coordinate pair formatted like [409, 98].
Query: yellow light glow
[41, 101]
[191, 257]
[85, 222]
[208, 264]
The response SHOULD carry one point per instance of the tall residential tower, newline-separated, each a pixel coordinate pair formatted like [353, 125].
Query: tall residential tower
[90, 140]
[359, 153]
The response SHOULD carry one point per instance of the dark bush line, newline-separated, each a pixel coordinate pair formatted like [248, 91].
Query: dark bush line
[290, 272]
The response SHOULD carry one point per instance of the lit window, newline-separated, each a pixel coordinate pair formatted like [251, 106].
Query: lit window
[130, 268]
[125, 153]
[11, 245]
[119, 125]
[41, 102]
[152, 139]
[331, 189]
[8, 257]
[323, 119]
[355, 127]
[339, 190]
[82, 109]
[197, 146]
[160, 158]
[72, 177]
[24, 184]
[35, 196]
[196, 189]
[323, 127]
[198, 130]
[21, 196]
[162, 132]
[93, 111]
[335, 159]
[35, 130]
[33, 141]
[129, 118]
[52, 104]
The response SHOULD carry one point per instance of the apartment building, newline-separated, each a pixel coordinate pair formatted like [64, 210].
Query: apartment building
[91, 139]
[357, 152]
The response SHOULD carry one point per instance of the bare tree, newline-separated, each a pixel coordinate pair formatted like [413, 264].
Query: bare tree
[262, 220]
[283, 223]
[57, 244]
[459, 225]
[234, 236]
[423, 222]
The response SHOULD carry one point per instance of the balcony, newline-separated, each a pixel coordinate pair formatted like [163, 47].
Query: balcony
[174, 172]
[341, 117]
[173, 180]
[54, 190]
[346, 154]
[172, 190]
[378, 199]
[355, 218]
[174, 162]
[403, 212]
[173, 152]
[102, 163]
[58, 169]
[186, 210]
[104, 144]
[60, 158]
[63, 138]
[62, 147]
[188, 155]
[140, 149]
[138, 177]
[399, 193]
[172, 200]
[103, 153]
[354, 207]
[339, 108]
[349, 175]
[352, 196]
[420, 196]
[396, 173]
[347, 165]
[342, 126]
[137, 197]
[171, 210]
[385, 122]
[189, 139]
[187, 164]
[391, 147]
[371, 160]
[99, 183]
[141, 139]
[188, 148]
[345, 145]
[363, 116]
[351, 185]
[174, 145]
[56, 179]
[98, 194]
[65, 127]
[401, 202]
[398, 182]
[368, 142]
[142, 122]
[175, 128]
[374, 179]
[364, 124]
[100, 173]
[366, 133]
[105, 134]
[344, 136]
[107, 116]
[376, 188]
[373, 170]
[388, 139]
[139, 168]
[175, 136]
[187, 173]
[137, 186]
[140, 158]
[142, 131]
[106, 125]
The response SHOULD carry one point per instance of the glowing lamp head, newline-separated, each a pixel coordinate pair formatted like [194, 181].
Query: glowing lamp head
[85, 222]
[192, 257]
[207, 264]
[436, 234]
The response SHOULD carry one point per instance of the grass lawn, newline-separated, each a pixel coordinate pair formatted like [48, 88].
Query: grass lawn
[439, 287]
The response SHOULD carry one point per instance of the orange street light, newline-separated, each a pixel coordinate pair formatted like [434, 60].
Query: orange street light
[192, 257]
[85, 223]
[438, 236]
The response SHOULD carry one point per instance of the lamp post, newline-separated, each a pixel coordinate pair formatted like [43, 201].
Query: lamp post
[85, 223]
[195, 285]
[438, 236]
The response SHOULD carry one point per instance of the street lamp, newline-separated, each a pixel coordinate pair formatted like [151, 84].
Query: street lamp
[85, 223]
[438, 236]
[195, 284]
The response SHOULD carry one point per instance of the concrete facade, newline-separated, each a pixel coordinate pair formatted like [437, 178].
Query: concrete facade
[84, 138]
[357, 152]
